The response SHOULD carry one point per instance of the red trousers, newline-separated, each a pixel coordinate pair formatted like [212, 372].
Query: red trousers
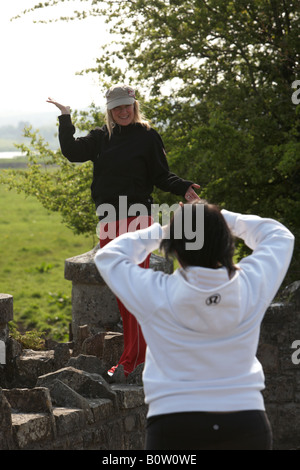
[134, 342]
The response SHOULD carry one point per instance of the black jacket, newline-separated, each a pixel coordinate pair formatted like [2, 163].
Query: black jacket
[130, 163]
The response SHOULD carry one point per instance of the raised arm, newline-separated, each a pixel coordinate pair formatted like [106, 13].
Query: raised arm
[81, 149]
[272, 246]
[61, 107]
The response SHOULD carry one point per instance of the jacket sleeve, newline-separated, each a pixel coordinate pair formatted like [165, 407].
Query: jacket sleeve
[163, 178]
[142, 291]
[272, 244]
[79, 149]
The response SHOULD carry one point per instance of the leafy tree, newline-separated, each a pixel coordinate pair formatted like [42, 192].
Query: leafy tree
[216, 78]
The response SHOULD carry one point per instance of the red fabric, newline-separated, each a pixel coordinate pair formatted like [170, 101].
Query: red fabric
[134, 342]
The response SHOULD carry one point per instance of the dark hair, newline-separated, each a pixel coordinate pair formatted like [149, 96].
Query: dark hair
[218, 242]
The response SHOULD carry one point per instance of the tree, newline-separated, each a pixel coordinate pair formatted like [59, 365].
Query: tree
[216, 78]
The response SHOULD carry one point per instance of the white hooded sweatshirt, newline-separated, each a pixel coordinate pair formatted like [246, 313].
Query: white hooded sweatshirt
[201, 328]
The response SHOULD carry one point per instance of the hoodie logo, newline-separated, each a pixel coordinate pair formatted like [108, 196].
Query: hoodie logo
[213, 299]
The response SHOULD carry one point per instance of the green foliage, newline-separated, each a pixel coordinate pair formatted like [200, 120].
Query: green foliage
[28, 340]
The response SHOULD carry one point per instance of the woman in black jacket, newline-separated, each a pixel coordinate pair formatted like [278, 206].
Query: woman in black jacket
[129, 160]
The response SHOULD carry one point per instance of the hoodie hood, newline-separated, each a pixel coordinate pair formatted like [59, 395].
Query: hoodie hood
[211, 302]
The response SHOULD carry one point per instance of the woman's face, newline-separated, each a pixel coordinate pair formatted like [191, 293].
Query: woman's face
[123, 115]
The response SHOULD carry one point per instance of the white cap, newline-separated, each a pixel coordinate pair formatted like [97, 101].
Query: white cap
[119, 95]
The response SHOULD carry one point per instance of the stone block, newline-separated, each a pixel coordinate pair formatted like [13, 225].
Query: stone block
[31, 364]
[62, 354]
[129, 396]
[81, 269]
[32, 428]
[68, 421]
[6, 432]
[86, 384]
[64, 396]
[112, 348]
[93, 346]
[6, 308]
[102, 408]
[35, 400]
[88, 363]
[95, 305]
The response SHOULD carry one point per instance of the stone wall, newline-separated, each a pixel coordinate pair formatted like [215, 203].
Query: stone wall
[279, 332]
[56, 401]
[30, 421]
[62, 399]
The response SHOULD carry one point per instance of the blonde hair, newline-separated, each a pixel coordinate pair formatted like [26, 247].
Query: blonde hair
[138, 118]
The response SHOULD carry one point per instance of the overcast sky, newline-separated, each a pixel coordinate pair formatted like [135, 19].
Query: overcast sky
[41, 60]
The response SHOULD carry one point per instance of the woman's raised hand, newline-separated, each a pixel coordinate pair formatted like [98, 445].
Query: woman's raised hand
[191, 195]
[63, 109]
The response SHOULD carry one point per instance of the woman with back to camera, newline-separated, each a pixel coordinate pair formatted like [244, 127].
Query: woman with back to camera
[129, 160]
[202, 380]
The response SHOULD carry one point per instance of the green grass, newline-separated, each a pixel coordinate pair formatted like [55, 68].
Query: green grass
[33, 247]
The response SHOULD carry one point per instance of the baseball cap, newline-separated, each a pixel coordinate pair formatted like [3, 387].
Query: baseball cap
[119, 95]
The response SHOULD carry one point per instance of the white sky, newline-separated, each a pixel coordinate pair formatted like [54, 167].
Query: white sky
[41, 60]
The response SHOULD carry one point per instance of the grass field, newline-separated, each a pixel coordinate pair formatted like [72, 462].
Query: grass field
[33, 247]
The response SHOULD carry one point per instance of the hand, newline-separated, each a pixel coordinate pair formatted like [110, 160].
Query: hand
[190, 195]
[63, 109]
